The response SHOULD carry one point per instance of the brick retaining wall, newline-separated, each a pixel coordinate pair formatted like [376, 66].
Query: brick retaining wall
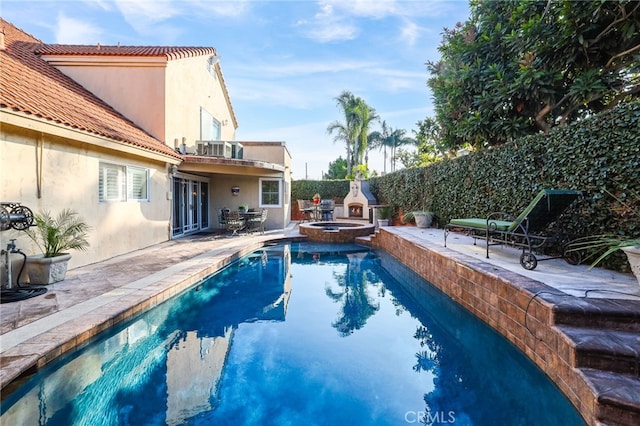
[521, 309]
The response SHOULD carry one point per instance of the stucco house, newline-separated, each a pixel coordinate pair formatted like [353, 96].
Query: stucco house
[140, 141]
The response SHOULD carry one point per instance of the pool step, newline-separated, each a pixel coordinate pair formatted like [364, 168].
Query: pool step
[610, 314]
[608, 350]
[618, 397]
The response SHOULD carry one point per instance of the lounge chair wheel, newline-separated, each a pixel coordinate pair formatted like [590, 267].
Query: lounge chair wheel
[528, 261]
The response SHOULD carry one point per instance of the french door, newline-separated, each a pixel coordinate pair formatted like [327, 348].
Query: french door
[190, 205]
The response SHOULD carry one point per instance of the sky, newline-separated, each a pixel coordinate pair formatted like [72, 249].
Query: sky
[284, 62]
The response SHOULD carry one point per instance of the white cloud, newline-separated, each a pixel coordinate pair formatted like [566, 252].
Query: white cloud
[144, 15]
[410, 32]
[332, 31]
[375, 9]
[379, 9]
[220, 8]
[326, 27]
[103, 5]
[275, 69]
[73, 31]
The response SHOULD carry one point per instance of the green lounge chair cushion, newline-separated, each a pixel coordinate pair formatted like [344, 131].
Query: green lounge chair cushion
[544, 208]
[500, 225]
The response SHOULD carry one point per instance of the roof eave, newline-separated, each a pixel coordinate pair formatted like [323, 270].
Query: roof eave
[34, 123]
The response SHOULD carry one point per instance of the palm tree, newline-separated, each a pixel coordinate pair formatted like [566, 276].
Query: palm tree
[379, 140]
[355, 128]
[364, 116]
[397, 138]
[345, 131]
[390, 138]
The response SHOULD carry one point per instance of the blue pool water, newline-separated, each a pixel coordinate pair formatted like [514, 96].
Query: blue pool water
[297, 334]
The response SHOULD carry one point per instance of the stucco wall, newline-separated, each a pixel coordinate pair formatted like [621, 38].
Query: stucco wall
[249, 193]
[70, 180]
[189, 86]
[133, 89]
[162, 97]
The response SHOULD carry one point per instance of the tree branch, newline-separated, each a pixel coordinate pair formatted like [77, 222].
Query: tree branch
[633, 49]
[540, 118]
[615, 22]
[621, 96]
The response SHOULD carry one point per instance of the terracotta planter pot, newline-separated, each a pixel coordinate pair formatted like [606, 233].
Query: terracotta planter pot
[47, 270]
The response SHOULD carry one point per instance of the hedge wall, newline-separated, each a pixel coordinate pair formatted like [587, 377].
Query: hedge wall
[328, 189]
[599, 156]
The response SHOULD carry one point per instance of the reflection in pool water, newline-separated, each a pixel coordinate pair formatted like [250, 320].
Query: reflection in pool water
[297, 334]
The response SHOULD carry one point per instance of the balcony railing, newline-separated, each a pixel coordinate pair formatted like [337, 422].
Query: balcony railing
[225, 149]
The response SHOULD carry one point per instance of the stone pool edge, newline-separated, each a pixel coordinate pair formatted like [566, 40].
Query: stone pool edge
[530, 314]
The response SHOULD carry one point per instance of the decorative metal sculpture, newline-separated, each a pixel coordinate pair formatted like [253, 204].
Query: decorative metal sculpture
[13, 215]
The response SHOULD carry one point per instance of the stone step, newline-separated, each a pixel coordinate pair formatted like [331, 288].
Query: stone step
[611, 314]
[618, 397]
[608, 350]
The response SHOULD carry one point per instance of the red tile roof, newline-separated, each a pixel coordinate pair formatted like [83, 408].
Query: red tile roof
[170, 52]
[31, 86]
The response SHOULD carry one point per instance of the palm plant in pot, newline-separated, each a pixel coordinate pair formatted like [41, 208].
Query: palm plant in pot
[54, 236]
[422, 215]
[383, 216]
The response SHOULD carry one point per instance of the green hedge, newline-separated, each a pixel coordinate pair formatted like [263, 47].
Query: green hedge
[328, 189]
[598, 156]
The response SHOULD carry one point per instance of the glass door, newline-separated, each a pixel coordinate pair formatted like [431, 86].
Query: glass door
[190, 205]
[204, 205]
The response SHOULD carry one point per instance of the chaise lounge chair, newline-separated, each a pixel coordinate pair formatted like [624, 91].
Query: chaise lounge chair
[526, 231]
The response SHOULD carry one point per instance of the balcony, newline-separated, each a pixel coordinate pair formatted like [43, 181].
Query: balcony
[224, 149]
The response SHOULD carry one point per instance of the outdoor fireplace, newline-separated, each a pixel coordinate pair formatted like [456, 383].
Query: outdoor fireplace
[359, 199]
[355, 210]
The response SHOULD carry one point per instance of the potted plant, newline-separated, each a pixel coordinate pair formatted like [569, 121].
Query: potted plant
[383, 216]
[54, 236]
[422, 215]
[243, 208]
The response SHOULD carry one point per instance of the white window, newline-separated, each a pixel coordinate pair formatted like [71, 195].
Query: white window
[111, 182]
[209, 126]
[120, 183]
[270, 193]
[211, 66]
[137, 183]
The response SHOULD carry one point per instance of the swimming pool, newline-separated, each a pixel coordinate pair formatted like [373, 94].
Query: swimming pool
[297, 334]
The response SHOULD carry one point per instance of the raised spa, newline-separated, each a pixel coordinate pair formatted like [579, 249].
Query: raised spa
[336, 232]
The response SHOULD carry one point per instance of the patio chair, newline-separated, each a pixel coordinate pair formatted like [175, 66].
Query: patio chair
[326, 209]
[305, 210]
[527, 231]
[222, 218]
[235, 222]
[257, 221]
